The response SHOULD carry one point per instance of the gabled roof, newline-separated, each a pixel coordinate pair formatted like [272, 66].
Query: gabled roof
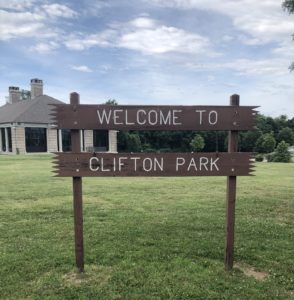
[28, 111]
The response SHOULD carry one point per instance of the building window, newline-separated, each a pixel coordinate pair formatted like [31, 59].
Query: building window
[66, 140]
[100, 140]
[3, 139]
[9, 139]
[36, 139]
[83, 140]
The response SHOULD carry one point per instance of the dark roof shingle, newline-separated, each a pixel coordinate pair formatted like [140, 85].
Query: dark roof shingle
[28, 111]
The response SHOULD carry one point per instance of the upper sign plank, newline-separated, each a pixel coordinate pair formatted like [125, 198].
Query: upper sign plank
[154, 117]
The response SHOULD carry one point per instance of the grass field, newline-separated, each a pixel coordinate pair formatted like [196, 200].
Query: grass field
[145, 238]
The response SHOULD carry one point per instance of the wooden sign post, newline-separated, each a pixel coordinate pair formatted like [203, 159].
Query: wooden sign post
[77, 194]
[231, 196]
[75, 116]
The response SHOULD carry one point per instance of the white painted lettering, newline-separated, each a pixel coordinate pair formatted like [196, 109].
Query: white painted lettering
[180, 161]
[212, 117]
[141, 121]
[203, 162]
[175, 117]
[116, 116]
[200, 115]
[145, 164]
[120, 162]
[154, 122]
[92, 161]
[158, 164]
[127, 119]
[192, 164]
[135, 162]
[102, 166]
[104, 117]
[165, 120]
[213, 164]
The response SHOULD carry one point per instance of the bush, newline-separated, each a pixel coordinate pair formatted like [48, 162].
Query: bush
[197, 143]
[281, 154]
[259, 157]
[270, 157]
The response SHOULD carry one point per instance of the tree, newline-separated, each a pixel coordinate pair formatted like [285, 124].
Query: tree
[111, 102]
[289, 6]
[287, 135]
[248, 140]
[133, 142]
[265, 144]
[197, 143]
[281, 153]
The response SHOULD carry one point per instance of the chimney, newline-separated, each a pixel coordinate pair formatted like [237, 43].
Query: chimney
[14, 94]
[36, 88]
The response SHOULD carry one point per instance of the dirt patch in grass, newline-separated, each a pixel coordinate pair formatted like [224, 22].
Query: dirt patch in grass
[251, 272]
[92, 274]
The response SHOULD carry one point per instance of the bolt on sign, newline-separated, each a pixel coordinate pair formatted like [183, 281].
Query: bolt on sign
[75, 116]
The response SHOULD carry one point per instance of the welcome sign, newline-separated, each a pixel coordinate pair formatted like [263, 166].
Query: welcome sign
[233, 118]
[154, 117]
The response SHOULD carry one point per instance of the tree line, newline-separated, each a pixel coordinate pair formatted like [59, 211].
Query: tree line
[268, 134]
[271, 135]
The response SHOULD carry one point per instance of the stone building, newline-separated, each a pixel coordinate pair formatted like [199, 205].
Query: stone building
[25, 126]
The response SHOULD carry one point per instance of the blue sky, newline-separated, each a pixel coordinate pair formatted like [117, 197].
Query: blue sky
[151, 51]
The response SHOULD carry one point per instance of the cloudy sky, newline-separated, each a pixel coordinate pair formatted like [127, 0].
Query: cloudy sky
[151, 51]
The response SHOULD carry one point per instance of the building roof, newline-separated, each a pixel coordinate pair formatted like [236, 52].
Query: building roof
[28, 111]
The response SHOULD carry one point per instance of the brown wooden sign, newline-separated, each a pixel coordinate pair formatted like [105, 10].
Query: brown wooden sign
[153, 164]
[231, 164]
[119, 117]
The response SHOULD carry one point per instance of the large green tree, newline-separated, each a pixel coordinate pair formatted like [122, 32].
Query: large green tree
[289, 6]
[286, 134]
[265, 143]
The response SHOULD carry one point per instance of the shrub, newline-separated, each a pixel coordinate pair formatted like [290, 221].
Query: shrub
[269, 157]
[281, 153]
[259, 157]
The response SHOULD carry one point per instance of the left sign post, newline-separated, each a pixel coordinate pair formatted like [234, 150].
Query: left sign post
[77, 194]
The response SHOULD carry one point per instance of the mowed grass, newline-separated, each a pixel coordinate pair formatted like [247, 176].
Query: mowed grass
[145, 238]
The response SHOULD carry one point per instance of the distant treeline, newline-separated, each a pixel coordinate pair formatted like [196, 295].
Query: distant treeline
[268, 134]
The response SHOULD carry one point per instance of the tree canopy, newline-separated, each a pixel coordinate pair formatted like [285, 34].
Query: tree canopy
[289, 6]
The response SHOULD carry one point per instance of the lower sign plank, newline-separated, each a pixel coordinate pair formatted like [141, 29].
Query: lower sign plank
[153, 164]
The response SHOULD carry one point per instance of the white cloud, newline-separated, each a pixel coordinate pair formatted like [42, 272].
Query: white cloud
[264, 20]
[163, 39]
[258, 68]
[285, 49]
[58, 10]
[81, 42]
[24, 24]
[20, 19]
[81, 68]
[264, 67]
[16, 4]
[44, 48]
[145, 35]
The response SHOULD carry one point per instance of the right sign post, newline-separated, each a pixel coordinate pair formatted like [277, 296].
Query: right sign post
[76, 164]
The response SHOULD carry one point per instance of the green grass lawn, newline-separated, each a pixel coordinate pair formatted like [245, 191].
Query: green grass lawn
[145, 238]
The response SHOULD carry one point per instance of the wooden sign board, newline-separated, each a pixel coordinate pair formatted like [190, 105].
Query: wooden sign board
[120, 117]
[76, 164]
[153, 164]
